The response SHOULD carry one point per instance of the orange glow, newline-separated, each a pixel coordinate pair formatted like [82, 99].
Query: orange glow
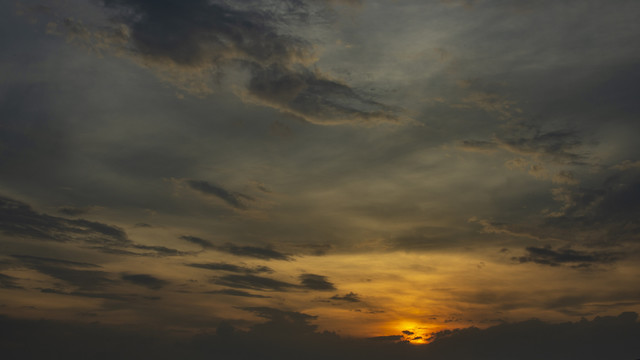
[414, 332]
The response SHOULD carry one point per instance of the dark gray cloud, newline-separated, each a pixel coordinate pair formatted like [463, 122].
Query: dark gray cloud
[145, 280]
[264, 253]
[558, 146]
[291, 335]
[316, 282]
[386, 338]
[573, 258]
[221, 266]
[83, 279]
[73, 211]
[206, 244]
[281, 322]
[233, 199]
[254, 282]
[314, 97]
[64, 270]
[160, 250]
[9, 282]
[195, 35]
[94, 295]
[19, 219]
[350, 297]
[599, 216]
[234, 292]
[37, 260]
[307, 282]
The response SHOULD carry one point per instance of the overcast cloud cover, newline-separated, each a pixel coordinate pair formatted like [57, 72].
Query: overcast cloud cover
[319, 178]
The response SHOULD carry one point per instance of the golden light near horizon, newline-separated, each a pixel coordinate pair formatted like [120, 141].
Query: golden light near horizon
[319, 173]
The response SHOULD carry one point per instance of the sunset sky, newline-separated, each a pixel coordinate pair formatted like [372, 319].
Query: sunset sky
[365, 169]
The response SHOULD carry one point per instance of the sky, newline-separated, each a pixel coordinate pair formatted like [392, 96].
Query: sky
[279, 178]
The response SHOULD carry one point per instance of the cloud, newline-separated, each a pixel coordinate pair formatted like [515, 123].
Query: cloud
[281, 323]
[314, 97]
[73, 211]
[307, 282]
[627, 165]
[291, 335]
[234, 292]
[19, 219]
[316, 282]
[9, 282]
[558, 146]
[574, 258]
[64, 270]
[234, 199]
[83, 279]
[386, 338]
[145, 280]
[191, 44]
[264, 253]
[221, 266]
[350, 297]
[93, 295]
[598, 216]
[37, 260]
[201, 33]
[206, 244]
[253, 282]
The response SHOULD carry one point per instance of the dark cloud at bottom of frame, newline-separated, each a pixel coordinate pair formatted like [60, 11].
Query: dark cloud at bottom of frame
[291, 335]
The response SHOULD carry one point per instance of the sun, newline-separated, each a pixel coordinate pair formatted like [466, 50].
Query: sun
[413, 332]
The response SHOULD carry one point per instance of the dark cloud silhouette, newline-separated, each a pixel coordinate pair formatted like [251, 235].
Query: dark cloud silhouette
[206, 244]
[73, 211]
[264, 253]
[83, 279]
[574, 258]
[150, 250]
[561, 146]
[307, 282]
[145, 280]
[316, 282]
[198, 33]
[220, 266]
[350, 297]
[19, 219]
[254, 282]
[195, 35]
[37, 260]
[65, 270]
[386, 338]
[234, 292]
[94, 295]
[604, 216]
[233, 199]
[291, 335]
[314, 97]
[160, 250]
[9, 282]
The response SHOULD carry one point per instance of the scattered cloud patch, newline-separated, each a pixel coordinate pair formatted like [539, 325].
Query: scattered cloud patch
[350, 297]
[573, 258]
[235, 292]
[316, 282]
[234, 199]
[145, 280]
[221, 266]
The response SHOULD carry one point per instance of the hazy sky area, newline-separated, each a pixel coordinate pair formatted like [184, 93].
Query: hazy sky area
[446, 179]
